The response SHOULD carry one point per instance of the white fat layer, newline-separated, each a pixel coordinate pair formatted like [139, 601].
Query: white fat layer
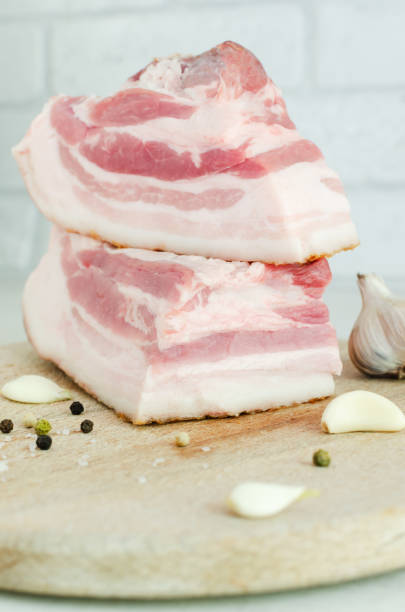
[322, 359]
[252, 308]
[326, 240]
[231, 394]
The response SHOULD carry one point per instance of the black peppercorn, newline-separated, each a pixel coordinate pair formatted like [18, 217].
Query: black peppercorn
[86, 426]
[44, 442]
[6, 426]
[76, 408]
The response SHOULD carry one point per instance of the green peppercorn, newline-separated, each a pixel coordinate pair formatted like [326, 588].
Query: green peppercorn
[6, 426]
[86, 426]
[44, 442]
[321, 458]
[76, 408]
[42, 427]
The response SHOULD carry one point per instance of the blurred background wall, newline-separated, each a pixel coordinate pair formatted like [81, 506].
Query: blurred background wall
[340, 64]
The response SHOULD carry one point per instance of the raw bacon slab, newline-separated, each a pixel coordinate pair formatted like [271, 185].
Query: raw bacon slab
[161, 337]
[194, 155]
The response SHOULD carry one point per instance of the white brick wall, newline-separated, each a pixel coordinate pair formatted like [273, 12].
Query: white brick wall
[97, 55]
[22, 62]
[339, 63]
[361, 43]
[18, 226]
[362, 134]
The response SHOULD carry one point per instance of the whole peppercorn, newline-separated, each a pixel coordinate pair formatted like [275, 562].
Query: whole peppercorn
[44, 442]
[42, 427]
[6, 426]
[321, 458]
[76, 408]
[86, 426]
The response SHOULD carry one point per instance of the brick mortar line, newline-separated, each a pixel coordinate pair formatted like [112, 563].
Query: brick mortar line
[31, 103]
[354, 188]
[377, 88]
[124, 12]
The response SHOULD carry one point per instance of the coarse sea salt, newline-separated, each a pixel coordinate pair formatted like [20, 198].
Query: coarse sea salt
[158, 461]
[82, 461]
[3, 466]
[205, 449]
[142, 479]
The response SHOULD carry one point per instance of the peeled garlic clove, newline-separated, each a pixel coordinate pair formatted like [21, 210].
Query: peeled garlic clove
[259, 499]
[377, 341]
[361, 411]
[33, 389]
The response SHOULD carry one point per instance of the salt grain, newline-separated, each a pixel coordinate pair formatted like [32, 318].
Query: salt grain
[205, 449]
[83, 461]
[3, 466]
[66, 432]
[158, 461]
[142, 479]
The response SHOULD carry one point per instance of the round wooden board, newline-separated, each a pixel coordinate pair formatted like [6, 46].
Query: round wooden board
[123, 512]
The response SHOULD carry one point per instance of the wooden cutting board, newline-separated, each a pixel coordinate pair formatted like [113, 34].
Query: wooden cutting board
[123, 512]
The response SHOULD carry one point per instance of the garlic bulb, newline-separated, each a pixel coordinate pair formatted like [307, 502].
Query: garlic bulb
[377, 341]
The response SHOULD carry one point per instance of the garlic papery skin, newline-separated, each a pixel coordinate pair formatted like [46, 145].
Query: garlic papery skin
[261, 499]
[377, 341]
[361, 411]
[33, 389]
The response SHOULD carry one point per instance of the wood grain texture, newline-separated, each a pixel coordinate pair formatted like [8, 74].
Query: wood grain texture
[147, 519]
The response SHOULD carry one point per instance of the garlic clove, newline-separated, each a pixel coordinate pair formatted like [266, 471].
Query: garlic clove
[361, 411]
[377, 341]
[259, 499]
[33, 389]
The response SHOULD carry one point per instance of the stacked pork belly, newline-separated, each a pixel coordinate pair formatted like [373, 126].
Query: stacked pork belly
[185, 271]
